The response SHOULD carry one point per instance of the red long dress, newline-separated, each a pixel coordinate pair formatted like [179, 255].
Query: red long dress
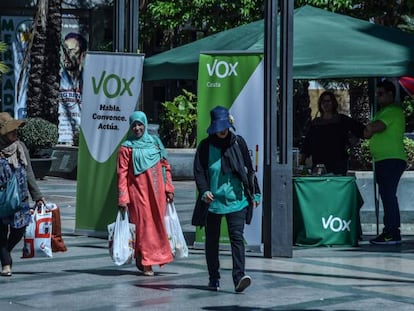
[145, 196]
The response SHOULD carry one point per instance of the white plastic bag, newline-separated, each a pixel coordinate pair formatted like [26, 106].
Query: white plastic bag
[37, 237]
[175, 234]
[121, 239]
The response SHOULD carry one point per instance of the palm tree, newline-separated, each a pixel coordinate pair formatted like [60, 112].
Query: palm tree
[43, 52]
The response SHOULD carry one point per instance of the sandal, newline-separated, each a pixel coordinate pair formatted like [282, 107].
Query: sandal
[148, 271]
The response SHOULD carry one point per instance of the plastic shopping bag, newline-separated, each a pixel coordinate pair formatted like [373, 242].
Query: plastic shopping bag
[175, 233]
[121, 239]
[57, 243]
[37, 237]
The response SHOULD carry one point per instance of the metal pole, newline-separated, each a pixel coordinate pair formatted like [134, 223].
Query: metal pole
[283, 214]
[133, 29]
[119, 18]
[278, 205]
[372, 87]
[270, 117]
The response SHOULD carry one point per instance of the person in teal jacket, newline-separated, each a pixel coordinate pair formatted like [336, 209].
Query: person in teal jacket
[227, 187]
[386, 133]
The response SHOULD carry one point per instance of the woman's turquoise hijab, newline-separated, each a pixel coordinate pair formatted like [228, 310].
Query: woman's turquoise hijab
[146, 150]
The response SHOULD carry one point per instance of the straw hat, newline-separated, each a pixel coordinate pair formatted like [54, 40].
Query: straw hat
[8, 124]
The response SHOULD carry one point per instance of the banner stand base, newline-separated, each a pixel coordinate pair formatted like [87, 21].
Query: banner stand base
[226, 247]
[91, 233]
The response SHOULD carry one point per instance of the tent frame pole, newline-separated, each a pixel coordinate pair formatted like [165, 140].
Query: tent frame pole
[278, 185]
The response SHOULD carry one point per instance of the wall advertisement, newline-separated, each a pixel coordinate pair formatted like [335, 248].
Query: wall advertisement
[15, 32]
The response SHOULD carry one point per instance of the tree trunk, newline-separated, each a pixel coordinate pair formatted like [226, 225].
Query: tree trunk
[44, 79]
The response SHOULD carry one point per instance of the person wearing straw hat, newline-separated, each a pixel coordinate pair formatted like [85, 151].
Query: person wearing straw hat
[14, 157]
[227, 187]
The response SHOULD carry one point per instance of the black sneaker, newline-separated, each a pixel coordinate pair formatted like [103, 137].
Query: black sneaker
[386, 239]
[243, 283]
[214, 285]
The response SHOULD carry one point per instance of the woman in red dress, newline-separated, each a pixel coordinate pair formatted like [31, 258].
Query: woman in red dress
[144, 188]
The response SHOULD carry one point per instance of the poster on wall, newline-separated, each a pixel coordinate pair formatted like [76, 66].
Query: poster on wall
[234, 80]
[73, 52]
[15, 32]
[112, 85]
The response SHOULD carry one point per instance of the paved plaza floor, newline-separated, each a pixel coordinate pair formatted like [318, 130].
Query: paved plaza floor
[324, 278]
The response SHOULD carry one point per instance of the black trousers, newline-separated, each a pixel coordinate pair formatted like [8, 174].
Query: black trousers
[235, 224]
[9, 237]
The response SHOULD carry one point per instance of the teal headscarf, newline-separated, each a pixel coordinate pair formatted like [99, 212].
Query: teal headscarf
[146, 150]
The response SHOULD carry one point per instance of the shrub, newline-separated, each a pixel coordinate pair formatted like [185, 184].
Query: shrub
[178, 121]
[366, 160]
[408, 106]
[38, 134]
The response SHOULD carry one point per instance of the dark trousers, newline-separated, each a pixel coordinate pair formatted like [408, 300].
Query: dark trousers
[8, 240]
[235, 225]
[387, 174]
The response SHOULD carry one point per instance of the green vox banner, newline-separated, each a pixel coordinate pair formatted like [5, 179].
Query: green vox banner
[234, 80]
[112, 85]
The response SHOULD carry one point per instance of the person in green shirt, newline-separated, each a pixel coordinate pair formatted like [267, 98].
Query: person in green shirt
[385, 133]
[227, 187]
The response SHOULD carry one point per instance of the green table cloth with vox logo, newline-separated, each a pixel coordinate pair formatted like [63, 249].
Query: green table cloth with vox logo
[326, 211]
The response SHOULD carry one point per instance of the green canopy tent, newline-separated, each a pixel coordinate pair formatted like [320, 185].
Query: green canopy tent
[326, 45]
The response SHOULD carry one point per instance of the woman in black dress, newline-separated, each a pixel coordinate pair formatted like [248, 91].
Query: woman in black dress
[328, 138]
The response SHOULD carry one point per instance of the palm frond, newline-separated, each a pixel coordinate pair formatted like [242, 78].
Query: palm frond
[3, 67]
[3, 47]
